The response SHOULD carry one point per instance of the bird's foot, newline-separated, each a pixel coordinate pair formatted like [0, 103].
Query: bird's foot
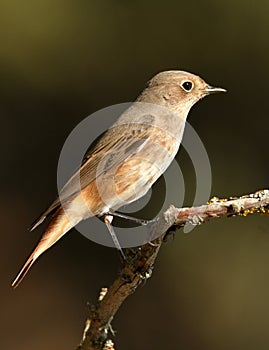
[141, 222]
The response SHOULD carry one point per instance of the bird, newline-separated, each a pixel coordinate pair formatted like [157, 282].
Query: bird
[126, 160]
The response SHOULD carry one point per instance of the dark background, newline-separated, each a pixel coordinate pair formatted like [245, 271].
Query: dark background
[61, 61]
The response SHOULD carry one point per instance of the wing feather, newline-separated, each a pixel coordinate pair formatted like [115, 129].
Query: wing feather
[113, 148]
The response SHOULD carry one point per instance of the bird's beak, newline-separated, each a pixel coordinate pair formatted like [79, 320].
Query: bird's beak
[213, 90]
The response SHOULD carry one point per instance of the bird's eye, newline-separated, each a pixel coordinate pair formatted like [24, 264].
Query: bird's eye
[187, 86]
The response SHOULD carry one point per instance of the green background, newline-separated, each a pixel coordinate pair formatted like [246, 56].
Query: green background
[61, 61]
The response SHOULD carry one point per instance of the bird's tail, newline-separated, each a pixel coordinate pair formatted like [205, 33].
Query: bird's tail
[58, 226]
[24, 270]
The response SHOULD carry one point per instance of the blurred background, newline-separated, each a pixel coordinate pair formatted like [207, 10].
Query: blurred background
[61, 61]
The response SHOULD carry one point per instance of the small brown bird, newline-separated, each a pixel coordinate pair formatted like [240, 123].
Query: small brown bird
[125, 162]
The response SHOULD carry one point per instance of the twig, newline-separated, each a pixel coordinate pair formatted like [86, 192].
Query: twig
[139, 262]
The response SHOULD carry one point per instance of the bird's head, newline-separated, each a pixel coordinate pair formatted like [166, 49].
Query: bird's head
[177, 90]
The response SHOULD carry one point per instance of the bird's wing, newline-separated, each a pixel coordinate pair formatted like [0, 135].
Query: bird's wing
[113, 148]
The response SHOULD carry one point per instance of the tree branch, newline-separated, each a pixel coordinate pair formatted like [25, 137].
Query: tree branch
[139, 262]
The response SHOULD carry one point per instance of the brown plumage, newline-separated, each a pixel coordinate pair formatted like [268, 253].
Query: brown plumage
[127, 159]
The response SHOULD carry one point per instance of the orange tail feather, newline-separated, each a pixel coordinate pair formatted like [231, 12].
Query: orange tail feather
[59, 225]
[23, 272]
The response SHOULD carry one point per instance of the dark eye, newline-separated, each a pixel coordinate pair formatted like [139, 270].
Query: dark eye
[187, 85]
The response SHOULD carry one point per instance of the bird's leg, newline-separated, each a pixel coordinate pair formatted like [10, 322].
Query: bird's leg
[108, 221]
[141, 222]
